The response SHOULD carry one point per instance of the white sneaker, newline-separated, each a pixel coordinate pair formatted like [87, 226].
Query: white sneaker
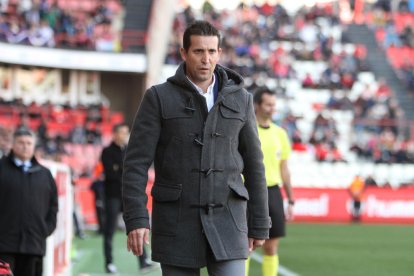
[111, 268]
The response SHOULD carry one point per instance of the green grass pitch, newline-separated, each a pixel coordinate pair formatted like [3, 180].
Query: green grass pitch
[308, 250]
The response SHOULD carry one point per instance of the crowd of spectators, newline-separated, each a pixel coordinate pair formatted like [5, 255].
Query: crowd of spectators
[252, 44]
[384, 148]
[393, 23]
[250, 34]
[51, 23]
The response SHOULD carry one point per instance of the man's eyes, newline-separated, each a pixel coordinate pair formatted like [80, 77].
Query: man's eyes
[202, 51]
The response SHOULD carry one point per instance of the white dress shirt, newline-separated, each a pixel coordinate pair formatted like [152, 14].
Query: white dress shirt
[209, 95]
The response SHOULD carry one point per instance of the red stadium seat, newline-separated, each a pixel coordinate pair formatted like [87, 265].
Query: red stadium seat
[401, 55]
[403, 19]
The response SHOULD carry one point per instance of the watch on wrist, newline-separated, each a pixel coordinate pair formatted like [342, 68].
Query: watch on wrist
[291, 202]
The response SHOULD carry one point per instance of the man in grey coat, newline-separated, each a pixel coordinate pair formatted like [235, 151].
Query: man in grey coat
[209, 195]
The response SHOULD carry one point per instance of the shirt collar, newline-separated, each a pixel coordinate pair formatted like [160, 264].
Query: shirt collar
[19, 163]
[209, 89]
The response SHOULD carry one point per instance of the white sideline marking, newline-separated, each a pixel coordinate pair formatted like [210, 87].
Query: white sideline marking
[283, 271]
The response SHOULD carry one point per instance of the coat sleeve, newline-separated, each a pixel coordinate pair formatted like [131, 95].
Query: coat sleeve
[254, 175]
[51, 216]
[139, 157]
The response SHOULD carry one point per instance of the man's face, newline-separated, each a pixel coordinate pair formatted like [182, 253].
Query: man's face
[267, 107]
[201, 58]
[121, 136]
[24, 147]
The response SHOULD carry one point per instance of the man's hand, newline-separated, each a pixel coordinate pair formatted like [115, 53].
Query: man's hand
[253, 244]
[136, 239]
[289, 212]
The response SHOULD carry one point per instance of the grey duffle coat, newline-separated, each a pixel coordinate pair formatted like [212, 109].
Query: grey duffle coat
[200, 198]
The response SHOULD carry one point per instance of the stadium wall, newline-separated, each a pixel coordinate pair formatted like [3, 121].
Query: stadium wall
[379, 205]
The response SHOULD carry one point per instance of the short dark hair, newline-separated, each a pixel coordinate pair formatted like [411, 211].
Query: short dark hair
[23, 131]
[116, 127]
[258, 94]
[201, 28]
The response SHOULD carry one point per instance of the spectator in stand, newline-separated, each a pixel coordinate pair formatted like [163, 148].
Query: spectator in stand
[78, 134]
[383, 90]
[53, 14]
[308, 81]
[103, 14]
[3, 5]
[17, 32]
[403, 152]
[297, 142]
[407, 36]
[28, 204]
[41, 35]
[93, 134]
[289, 124]
[331, 78]
[406, 73]
[30, 13]
[370, 181]
[4, 28]
[403, 6]
[105, 41]
[391, 36]
[334, 100]
[384, 5]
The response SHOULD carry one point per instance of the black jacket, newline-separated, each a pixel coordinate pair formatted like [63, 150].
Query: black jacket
[112, 160]
[28, 207]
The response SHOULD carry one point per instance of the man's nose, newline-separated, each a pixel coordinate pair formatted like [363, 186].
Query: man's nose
[205, 58]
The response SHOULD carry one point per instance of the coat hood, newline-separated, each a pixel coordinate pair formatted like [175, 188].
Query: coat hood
[229, 81]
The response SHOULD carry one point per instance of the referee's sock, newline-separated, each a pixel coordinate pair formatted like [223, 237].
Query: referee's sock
[247, 266]
[270, 265]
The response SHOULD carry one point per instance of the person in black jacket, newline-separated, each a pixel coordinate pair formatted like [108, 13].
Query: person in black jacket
[112, 160]
[28, 206]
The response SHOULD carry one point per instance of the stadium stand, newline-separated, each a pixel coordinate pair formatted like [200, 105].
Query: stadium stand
[88, 24]
[341, 118]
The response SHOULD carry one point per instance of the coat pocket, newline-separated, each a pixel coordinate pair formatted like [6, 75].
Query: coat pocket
[237, 203]
[166, 208]
[231, 110]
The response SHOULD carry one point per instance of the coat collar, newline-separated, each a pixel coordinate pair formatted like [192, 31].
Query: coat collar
[35, 164]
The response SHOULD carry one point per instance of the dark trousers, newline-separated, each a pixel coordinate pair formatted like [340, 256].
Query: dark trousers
[24, 264]
[113, 207]
[98, 190]
[223, 268]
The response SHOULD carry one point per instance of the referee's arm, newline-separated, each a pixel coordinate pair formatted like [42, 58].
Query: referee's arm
[285, 173]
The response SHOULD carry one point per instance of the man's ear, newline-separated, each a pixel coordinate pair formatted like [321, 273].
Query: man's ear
[183, 53]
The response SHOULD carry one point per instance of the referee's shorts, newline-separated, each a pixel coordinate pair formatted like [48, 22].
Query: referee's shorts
[276, 212]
